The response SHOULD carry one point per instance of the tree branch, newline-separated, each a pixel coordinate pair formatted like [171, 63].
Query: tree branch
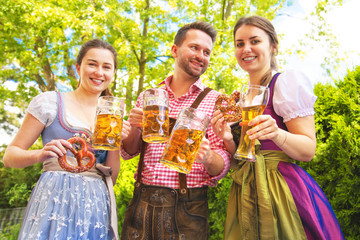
[228, 10]
[69, 69]
[40, 82]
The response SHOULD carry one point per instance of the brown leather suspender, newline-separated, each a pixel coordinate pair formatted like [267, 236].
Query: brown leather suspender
[182, 176]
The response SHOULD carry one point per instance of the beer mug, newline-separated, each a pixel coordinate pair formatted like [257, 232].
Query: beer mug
[156, 116]
[253, 101]
[185, 140]
[108, 124]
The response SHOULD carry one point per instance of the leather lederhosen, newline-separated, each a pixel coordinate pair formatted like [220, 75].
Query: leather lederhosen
[157, 212]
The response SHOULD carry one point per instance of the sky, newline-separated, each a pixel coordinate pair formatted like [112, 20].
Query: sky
[292, 23]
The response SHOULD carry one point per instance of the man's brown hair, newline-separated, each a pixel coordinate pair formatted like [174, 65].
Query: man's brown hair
[198, 25]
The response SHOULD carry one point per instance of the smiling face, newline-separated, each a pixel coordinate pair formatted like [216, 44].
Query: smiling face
[253, 50]
[96, 70]
[193, 55]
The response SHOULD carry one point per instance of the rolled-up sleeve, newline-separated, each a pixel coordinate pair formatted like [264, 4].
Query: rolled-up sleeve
[125, 155]
[227, 157]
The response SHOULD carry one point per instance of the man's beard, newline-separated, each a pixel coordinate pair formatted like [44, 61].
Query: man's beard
[185, 65]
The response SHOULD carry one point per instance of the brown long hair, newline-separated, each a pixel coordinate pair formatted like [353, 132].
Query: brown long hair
[97, 43]
[268, 28]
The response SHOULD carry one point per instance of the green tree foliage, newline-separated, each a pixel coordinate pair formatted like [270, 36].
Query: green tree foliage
[40, 40]
[36, 48]
[336, 165]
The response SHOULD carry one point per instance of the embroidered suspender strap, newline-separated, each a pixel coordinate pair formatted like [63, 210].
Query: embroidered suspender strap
[182, 176]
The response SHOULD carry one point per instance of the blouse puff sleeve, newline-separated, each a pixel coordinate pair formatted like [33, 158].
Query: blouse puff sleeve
[293, 95]
[43, 107]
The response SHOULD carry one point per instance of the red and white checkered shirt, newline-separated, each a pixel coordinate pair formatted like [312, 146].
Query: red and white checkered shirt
[154, 172]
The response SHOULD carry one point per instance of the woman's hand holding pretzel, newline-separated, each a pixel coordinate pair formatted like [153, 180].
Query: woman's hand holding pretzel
[223, 131]
[54, 149]
[220, 126]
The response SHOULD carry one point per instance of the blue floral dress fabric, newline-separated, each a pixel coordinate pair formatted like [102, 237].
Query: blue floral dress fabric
[67, 206]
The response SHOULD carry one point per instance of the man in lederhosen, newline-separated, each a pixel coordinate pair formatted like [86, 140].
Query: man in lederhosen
[166, 204]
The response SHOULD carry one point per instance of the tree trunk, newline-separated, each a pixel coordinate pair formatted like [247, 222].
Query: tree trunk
[69, 69]
[45, 65]
[142, 62]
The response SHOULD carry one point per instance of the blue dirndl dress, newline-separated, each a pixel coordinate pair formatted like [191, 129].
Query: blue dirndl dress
[66, 205]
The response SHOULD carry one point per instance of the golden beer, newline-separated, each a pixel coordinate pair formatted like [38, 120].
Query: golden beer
[181, 150]
[107, 133]
[247, 147]
[156, 124]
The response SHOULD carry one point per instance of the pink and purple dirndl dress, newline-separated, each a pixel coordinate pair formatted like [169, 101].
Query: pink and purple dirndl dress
[274, 198]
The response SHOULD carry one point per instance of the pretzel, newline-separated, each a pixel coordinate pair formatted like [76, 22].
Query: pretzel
[80, 154]
[232, 112]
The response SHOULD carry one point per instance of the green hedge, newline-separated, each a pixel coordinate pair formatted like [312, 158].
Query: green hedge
[124, 187]
[336, 166]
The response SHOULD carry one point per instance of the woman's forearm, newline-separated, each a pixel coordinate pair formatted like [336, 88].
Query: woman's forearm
[297, 146]
[16, 157]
